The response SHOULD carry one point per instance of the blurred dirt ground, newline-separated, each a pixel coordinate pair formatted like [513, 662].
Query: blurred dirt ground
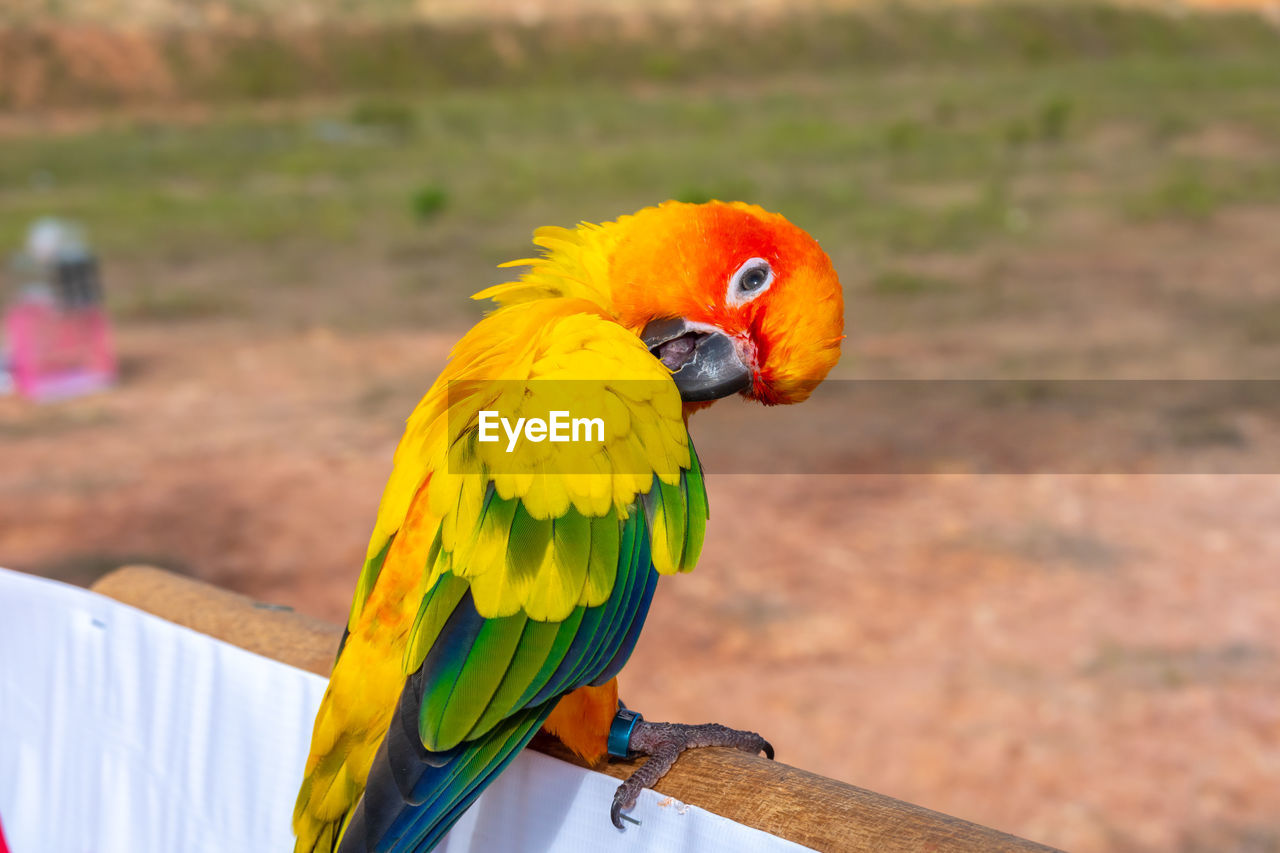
[1090, 661]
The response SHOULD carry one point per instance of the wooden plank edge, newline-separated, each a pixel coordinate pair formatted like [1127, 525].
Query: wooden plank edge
[785, 801]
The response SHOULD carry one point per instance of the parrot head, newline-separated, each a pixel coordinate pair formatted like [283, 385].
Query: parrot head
[731, 298]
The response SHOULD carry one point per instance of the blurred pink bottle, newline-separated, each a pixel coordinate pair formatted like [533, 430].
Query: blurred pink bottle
[58, 351]
[57, 334]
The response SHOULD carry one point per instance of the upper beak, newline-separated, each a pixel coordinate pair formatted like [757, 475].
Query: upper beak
[703, 360]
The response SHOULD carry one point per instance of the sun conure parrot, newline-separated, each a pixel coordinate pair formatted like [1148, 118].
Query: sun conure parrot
[496, 600]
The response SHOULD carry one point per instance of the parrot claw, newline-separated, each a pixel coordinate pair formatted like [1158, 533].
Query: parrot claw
[615, 810]
[663, 743]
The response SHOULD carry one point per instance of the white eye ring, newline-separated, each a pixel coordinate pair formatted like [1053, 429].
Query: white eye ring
[749, 281]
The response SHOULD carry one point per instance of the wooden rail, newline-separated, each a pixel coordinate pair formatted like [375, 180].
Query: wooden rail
[785, 801]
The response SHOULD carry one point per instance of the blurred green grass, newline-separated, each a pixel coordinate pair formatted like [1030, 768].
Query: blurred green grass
[260, 56]
[890, 137]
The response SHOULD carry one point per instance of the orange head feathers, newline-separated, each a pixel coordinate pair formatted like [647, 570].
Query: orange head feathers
[732, 298]
[738, 270]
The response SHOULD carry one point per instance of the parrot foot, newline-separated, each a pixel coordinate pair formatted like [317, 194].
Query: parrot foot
[663, 743]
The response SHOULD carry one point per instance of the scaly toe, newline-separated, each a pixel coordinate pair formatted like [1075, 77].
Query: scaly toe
[663, 743]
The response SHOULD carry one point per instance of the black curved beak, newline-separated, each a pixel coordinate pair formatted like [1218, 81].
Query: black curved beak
[704, 362]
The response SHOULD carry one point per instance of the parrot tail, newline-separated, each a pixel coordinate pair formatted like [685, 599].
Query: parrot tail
[412, 799]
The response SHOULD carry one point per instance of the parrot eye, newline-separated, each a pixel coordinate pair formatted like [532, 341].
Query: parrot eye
[749, 281]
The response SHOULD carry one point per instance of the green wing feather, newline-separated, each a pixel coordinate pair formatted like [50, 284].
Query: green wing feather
[697, 509]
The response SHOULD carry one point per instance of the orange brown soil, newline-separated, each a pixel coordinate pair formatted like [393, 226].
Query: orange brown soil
[1089, 661]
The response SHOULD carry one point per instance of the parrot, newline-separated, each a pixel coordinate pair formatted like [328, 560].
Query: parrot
[503, 592]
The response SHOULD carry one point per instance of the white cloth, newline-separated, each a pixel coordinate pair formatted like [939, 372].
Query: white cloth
[123, 733]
